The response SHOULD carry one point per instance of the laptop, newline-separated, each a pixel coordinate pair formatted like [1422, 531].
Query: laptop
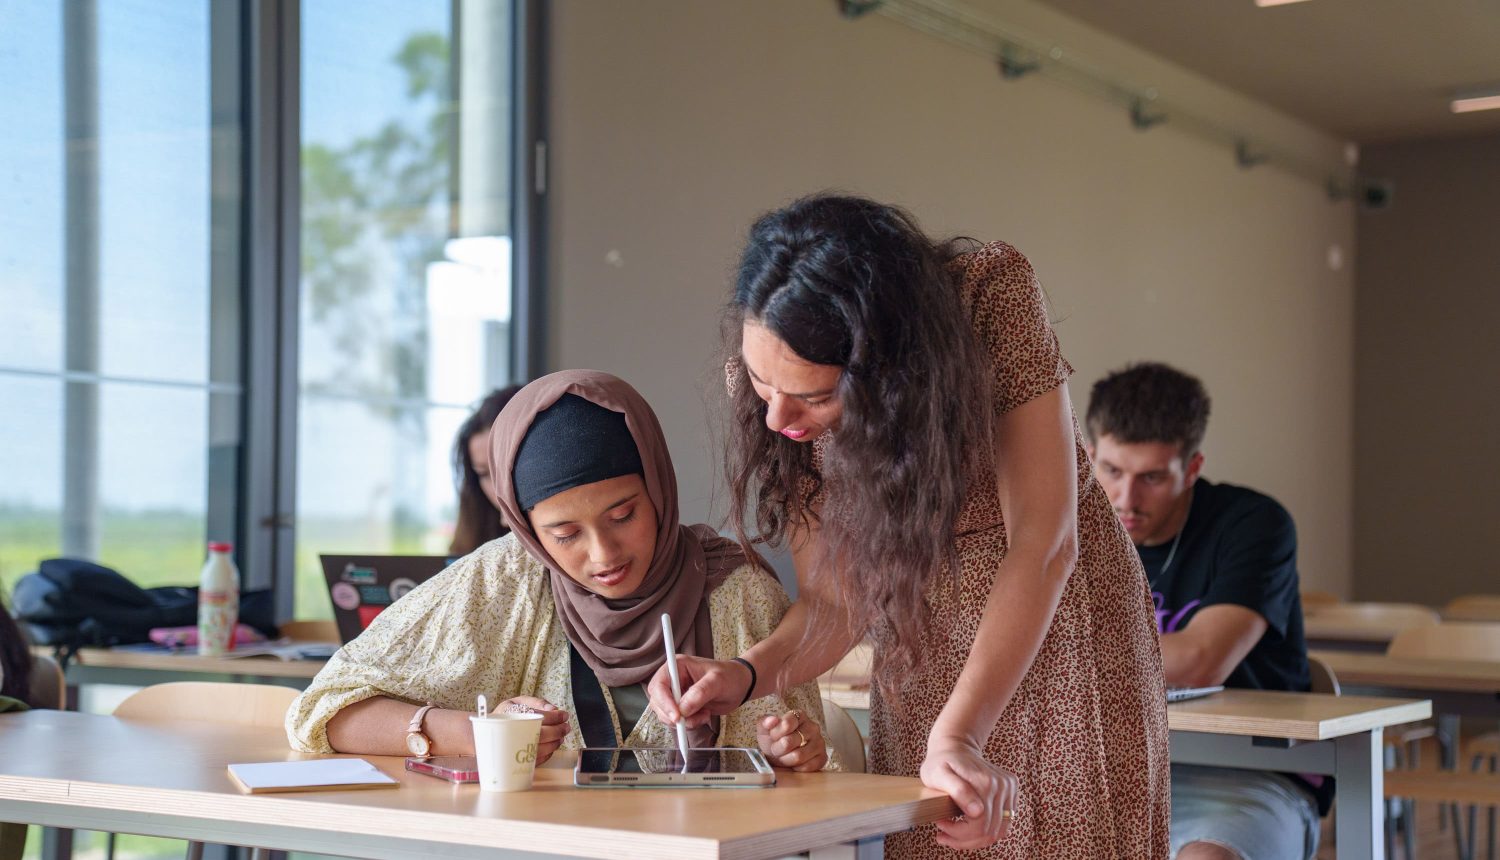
[1182, 694]
[362, 586]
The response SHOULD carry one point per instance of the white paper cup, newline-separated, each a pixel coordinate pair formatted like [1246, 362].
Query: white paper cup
[505, 745]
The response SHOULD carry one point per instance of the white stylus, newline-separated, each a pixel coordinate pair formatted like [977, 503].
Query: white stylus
[671, 645]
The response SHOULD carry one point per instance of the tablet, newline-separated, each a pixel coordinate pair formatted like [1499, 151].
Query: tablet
[650, 767]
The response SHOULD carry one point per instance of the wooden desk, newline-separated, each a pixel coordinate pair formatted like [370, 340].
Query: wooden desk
[1301, 733]
[264, 666]
[1457, 688]
[66, 769]
[1289, 732]
[1414, 673]
[143, 668]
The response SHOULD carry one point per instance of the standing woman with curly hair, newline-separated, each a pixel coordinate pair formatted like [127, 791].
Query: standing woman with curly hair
[898, 417]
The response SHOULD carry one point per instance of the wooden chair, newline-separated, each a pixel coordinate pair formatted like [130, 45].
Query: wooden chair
[1456, 641]
[310, 630]
[230, 704]
[1323, 678]
[48, 689]
[1313, 601]
[1473, 607]
[845, 736]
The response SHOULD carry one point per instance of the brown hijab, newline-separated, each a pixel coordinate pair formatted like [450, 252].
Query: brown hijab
[621, 639]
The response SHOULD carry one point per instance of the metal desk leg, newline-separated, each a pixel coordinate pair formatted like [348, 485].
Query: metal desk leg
[57, 844]
[872, 848]
[1361, 787]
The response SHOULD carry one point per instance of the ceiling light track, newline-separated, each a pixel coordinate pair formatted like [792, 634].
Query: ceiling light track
[1021, 56]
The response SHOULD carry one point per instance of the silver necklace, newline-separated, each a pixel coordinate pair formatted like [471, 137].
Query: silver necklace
[1171, 553]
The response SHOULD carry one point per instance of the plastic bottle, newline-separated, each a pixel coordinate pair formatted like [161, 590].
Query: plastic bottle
[218, 601]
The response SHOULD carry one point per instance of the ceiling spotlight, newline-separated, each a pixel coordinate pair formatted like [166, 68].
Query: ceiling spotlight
[1264, 3]
[1466, 102]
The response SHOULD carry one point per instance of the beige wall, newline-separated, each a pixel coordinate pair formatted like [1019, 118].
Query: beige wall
[675, 123]
[1428, 373]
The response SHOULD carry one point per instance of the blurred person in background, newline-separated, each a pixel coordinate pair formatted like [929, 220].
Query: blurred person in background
[478, 519]
[15, 662]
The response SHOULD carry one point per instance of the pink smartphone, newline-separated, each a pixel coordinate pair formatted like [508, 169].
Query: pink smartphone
[454, 768]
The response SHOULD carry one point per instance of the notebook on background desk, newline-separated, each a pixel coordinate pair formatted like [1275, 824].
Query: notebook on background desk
[362, 586]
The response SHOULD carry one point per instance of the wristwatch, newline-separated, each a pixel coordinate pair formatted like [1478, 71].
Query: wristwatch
[419, 744]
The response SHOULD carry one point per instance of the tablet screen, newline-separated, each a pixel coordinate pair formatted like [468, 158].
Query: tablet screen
[665, 761]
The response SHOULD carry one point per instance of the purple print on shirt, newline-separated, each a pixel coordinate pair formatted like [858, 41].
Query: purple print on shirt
[1168, 620]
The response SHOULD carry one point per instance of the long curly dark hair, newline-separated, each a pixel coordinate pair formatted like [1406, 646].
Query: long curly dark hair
[15, 659]
[478, 519]
[849, 282]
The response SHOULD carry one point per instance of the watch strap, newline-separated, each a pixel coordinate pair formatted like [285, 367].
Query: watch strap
[417, 718]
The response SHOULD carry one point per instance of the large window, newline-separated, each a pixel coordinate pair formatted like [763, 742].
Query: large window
[406, 267]
[256, 265]
[120, 292]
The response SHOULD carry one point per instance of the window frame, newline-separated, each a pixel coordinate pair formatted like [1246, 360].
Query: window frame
[271, 256]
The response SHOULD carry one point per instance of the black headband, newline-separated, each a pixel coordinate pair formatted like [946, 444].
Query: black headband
[571, 443]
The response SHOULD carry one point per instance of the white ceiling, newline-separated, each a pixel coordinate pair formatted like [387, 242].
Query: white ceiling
[1366, 70]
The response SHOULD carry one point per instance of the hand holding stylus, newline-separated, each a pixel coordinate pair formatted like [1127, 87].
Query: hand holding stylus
[670, 643]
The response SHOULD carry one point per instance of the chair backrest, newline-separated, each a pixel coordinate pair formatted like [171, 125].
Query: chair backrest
[1312, 601]
[48, 689]
[1457, 641]
[310, 630]
[1323, 678]
[1394, 616]
[844, 735]
[237, 704]
[1473, 607]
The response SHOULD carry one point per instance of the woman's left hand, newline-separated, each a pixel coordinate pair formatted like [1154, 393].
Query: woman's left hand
[792, 741]
[986, 795]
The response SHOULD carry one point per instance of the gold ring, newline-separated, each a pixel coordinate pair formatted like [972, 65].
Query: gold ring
[803, 737]
[1007, 813]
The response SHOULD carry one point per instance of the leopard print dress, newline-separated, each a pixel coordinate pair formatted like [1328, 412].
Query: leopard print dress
[1086, 731]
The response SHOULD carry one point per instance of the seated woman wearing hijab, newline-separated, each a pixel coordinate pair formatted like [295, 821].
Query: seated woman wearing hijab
[563, 615]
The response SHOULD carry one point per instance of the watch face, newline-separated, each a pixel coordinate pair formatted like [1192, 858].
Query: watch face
[418, 744]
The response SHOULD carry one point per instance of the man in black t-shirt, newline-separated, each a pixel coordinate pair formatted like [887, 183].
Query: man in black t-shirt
[1222, 564]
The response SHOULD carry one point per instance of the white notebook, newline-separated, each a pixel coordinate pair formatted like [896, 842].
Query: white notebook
[309, 775]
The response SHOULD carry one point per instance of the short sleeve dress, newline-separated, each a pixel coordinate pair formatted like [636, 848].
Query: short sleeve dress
[1086, 731]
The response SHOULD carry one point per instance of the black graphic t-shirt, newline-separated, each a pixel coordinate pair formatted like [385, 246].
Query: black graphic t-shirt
[1238, 547]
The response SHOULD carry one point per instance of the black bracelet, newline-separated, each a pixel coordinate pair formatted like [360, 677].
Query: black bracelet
[746, 663]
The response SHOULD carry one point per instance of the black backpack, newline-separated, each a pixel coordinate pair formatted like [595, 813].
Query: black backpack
[72, 603]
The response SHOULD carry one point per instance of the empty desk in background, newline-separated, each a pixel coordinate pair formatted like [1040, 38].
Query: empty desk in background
[1457, 688]
[1462, 687]
[143, 668]
[1348, 635]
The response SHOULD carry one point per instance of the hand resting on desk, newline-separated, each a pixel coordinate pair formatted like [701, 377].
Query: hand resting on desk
[792, 741]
